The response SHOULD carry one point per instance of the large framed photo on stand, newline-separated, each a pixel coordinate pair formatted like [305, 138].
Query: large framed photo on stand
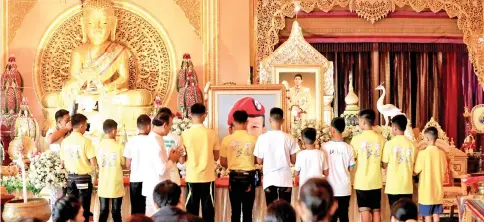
[256, 100]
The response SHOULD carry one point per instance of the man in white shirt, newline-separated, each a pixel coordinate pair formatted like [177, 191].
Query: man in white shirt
[276, 150]
[133, 152]
[173, 141]
[341, 159]
[63, 127]
[156, 164]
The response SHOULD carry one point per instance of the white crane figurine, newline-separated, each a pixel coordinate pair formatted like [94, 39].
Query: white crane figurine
[387, 110]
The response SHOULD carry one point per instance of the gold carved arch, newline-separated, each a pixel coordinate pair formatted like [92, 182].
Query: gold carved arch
[152, 57]
[271, 16]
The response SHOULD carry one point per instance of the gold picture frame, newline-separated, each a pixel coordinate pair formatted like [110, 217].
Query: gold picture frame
[221, 100]
[312, 73]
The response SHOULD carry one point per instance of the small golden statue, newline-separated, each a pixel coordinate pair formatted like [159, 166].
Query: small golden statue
[99, 71]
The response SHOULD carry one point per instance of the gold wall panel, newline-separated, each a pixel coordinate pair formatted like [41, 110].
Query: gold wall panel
[193, 12]
[152, 57]
[17, 9]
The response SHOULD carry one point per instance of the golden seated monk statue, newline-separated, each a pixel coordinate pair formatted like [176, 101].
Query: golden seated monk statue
[99, 74]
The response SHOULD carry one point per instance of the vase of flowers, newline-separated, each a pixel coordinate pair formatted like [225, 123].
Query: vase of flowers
[180, 124]
[46, 171]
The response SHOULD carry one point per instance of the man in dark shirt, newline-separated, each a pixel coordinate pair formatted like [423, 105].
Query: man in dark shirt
[166, 196]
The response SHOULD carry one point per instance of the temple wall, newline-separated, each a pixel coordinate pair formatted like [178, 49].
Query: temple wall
[234, 43]
[38, 19]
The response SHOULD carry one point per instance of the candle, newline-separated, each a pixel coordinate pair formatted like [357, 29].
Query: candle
[24, 179]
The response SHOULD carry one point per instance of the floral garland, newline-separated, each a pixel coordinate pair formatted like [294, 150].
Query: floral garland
[46, 171]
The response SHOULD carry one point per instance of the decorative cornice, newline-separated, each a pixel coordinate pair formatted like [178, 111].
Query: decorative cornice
[17, 9]
[193, 12]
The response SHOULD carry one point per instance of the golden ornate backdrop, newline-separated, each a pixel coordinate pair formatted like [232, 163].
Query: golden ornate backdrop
[152, 60]
[16, 14]
[193, 12]
[271, 14]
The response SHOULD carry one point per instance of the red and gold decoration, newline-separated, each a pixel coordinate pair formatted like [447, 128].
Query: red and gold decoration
[11, 88]
[187, 86]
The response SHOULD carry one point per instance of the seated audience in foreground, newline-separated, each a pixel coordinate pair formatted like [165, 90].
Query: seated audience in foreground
[280, 211]
[139, 218]
[28, 219]
[166, 196]
[404, 210]
[316, 201]
[68, 208]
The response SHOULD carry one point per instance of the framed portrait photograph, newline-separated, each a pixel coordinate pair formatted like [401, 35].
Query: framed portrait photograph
[256, 100]
[304, 89]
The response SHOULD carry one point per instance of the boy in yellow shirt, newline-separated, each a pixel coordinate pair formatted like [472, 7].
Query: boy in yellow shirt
[202, 150]
[236, 154]
[368, 179]
[431, 164]
[399, 158]
[111, 163]
[78, 156]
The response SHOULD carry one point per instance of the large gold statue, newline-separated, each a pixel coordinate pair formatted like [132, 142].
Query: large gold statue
[99, 71]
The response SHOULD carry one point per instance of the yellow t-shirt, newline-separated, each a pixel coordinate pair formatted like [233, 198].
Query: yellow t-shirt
[200, 142]
[368, 150]
[76, 150]
[110, 160]
[431, 164]
[400, 154]
[238, 148]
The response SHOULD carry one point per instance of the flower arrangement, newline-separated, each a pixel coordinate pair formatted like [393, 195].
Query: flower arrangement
[14, 183]
[322, 130]
[180, 124]
[46, 171]
[220, 171]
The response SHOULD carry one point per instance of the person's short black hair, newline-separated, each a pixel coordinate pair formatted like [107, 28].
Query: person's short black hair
[198, 109]
[240, 116]
[277, 114]
[368, 115]
[309, 135]
[161, 119]
[165, 110]
[400, 121]
[60, 114]
[280, 211]
[166, 194]
[404, 209]
[318, 197]
[143, 121]
[298, 75]
[77, 120]
[432, 132]
[339, 124]
[28, 219]
[66, 208]
[109, 125]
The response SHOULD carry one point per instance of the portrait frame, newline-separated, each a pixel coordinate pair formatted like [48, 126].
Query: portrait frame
[214, 101]
[319, 95]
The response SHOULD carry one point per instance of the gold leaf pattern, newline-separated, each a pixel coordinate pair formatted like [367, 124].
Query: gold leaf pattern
[16, 13]
[193, 12]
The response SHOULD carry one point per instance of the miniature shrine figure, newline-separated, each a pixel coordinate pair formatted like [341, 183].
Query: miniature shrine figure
[187, 86]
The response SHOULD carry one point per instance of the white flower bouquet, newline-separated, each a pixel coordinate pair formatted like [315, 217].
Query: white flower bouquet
[322, 130]
[180, 124]
[14, 183]
[46, 171]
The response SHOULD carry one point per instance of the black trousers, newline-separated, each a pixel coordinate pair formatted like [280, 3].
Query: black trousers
[242, 194]
[116, 209]
[392, 198]
[274, 193]
[138, 201]
[342, 211]
[80, 186]
[204, 192]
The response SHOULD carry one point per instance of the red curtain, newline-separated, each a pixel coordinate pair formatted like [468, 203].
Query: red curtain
[424, 80]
